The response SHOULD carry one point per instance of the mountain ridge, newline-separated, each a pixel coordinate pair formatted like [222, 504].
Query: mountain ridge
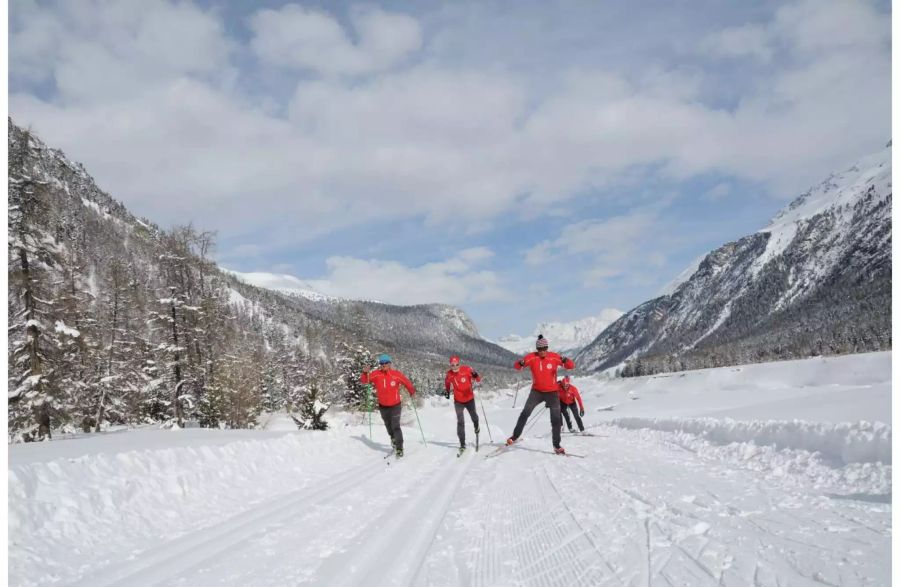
[815, 280]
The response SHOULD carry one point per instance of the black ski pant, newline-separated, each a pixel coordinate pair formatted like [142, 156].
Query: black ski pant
[565, 412]
[391, 417]
[461, 418]
[551, 400]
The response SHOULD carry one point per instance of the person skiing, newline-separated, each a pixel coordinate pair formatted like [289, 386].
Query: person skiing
[544, 388]
[462, 378]
[568, 395]
[387, 382]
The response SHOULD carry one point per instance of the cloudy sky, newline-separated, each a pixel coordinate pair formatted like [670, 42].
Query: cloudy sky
[527, 161]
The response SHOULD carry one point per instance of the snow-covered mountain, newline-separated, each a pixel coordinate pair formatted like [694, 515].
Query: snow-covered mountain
[816, 280]
[564, 337]
[99, 296]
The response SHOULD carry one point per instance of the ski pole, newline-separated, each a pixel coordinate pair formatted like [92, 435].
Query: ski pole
[483, 413]
[369, 407]
[518, 384]
[534, 420]
[413, 402]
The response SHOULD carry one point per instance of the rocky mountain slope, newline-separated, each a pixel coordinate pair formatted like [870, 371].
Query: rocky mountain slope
[815, 281]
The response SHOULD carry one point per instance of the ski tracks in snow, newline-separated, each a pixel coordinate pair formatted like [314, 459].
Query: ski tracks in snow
[637, 511]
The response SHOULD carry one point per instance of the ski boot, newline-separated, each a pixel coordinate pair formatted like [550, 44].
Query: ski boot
[461, 450]
[399, 452]
[560, 451]
[510, 441]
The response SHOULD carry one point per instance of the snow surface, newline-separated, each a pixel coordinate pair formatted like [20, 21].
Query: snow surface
[769, 474]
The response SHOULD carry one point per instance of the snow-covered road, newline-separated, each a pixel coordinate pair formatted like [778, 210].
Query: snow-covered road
[648, 505]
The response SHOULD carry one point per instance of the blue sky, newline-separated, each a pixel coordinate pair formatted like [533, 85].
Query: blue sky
[528, 162]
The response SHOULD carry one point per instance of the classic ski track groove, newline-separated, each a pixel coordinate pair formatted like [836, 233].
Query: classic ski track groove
[169, 559]
[513, 522]
[400, 530]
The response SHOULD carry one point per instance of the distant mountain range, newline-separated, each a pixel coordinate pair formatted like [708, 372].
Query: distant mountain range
[815, 281]
[564, 337]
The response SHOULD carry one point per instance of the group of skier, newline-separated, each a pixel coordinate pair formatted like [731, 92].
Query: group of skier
[559, 396]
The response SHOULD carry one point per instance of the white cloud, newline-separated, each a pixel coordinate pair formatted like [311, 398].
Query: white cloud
[105, 50]
[177, 140]
[308, 39]
[718, 191]
[630, 244]
[742, 41]
[458, 280]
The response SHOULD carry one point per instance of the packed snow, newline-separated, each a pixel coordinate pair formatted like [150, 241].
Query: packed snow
[768, 474]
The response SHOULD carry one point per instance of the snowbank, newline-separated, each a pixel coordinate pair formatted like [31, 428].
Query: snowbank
[845, 443]
[67, 510]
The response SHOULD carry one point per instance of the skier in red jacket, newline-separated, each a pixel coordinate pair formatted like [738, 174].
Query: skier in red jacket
[462, 378]
[387, 384]
[544, 389]
[568, 395]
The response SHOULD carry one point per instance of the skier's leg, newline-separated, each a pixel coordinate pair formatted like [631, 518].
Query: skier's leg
[395, 424]
[473, 413]
[555, 417]
[386, 418]
[577, 417]
[565, 413]
[534, 398]
[460, 422]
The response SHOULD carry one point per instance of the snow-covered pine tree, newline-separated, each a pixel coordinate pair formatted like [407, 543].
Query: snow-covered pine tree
[30, 256]
[352, 361]
[312, 409]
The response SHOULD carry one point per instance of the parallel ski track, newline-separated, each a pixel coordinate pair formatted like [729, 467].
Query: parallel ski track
[392, 548]
[177, 556]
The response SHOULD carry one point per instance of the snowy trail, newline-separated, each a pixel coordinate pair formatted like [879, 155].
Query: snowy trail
[636, 511]
[655, 501]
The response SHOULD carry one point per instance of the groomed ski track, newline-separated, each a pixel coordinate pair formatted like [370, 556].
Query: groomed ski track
[636, 511]
[795, 490]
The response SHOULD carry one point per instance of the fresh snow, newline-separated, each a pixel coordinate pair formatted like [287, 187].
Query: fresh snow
[767, 474]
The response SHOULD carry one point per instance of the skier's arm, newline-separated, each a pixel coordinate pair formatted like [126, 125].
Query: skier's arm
[578, 398]
[407, 384]
[523, 362]
[364, 377]
[567, 362]
[476, 376]
[447, 386]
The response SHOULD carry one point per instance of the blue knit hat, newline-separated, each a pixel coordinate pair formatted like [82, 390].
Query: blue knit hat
[384, 359]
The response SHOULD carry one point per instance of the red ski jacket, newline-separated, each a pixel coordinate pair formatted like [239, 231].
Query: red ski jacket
[543, 371]
[387, 385]
[461, 381]
[570, 396]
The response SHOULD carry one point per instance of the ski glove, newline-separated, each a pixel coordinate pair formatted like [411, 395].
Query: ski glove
[581, 413]
[447, 394]
[522, 362]
[565, 359]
